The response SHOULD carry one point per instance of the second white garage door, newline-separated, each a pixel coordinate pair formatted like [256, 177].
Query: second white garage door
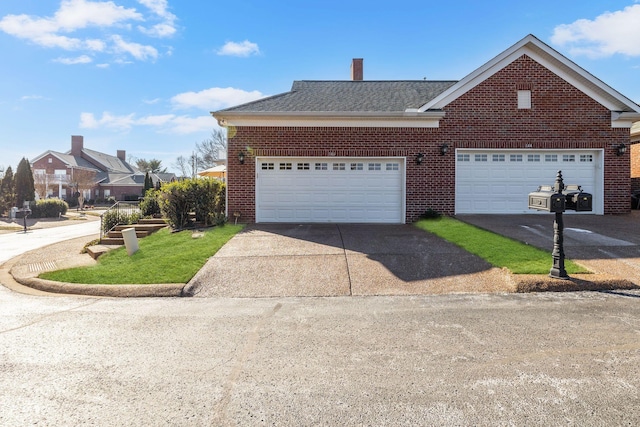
[499, 181]
[330, 190]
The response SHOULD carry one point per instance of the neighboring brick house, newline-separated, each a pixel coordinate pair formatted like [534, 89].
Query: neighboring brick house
[113, 176]
[387, 151]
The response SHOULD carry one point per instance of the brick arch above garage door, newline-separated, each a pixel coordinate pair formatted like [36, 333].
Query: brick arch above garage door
[498, 181]
[330, 189]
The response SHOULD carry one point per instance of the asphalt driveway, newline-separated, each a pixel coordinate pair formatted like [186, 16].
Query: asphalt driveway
[346, 259]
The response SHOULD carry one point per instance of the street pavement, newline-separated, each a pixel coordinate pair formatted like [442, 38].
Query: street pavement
[476, 359]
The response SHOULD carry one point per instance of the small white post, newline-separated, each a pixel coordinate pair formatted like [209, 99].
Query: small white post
[130, 240]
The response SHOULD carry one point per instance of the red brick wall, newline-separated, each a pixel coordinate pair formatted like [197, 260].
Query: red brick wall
[485, 117]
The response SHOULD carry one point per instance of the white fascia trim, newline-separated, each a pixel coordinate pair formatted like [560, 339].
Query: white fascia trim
[623, 120]
[52, 153]
[547, 57]
[413, 119]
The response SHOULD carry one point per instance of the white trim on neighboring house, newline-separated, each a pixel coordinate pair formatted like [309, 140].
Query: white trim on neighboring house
[45, 154]
[635, 132]
[624, 111]
[415, 119]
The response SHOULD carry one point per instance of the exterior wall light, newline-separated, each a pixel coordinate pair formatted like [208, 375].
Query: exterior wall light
[241, 157]
[621, 149]
[419, 158]
[444, 148]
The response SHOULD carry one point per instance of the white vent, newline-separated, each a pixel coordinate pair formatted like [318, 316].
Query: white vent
[524, 99]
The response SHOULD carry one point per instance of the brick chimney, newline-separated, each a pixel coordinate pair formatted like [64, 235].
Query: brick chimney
[122, 155]
[356, 69]
[77, 145]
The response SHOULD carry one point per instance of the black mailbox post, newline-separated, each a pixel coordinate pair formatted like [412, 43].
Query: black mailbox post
[559, 198]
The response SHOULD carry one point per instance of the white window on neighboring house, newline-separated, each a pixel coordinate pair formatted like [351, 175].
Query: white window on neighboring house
[39, 171]
[107, 193]
[50, 160]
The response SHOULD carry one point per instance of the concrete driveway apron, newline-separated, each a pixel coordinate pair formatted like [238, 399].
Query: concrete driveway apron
[342, 259]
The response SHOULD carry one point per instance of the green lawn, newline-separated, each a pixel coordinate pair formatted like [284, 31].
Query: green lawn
[498, 250]
[164, 257]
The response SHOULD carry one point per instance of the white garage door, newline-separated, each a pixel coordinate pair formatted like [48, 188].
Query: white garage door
[499, 181]
[340, 190]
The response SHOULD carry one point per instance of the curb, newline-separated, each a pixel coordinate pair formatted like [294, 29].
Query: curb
[126, 291]
[527, 283]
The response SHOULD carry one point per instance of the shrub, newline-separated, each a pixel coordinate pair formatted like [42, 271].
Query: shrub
[204, 197]
[430, 214]
[48, 208]
[149, 205]
[112, 218]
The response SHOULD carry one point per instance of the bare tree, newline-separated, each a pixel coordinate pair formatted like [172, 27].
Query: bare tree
[82, 180]
[42, 182]
[209, 150]
[183, 164]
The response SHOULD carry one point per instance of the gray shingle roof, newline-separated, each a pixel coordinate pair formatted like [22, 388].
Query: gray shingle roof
[349, 96]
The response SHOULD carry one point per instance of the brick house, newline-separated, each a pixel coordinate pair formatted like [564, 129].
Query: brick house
[387, 151]
[113, 176]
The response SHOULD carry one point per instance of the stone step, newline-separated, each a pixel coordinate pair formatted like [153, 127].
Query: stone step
[118, 234]
[112, 241]
[152, 221]
[141, 227]
[96, 250]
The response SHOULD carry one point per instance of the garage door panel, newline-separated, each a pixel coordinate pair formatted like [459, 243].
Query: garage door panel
[502, 187]
[331, 193]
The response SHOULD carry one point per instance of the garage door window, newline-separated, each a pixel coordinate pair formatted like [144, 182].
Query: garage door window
[285, 166]
[321, 166]
[464, 157]
[356, 166]
[375, 166]
[550, 157]
[267, 166]
[586, 158]
[533, 157]
[481, 158]
[338, 166]
[568, 158]
[515, 158]
[498, 158]
[392, 166]
[303, 166]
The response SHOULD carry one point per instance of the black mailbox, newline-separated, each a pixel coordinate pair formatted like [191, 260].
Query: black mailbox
[577, 200]
[546, 199]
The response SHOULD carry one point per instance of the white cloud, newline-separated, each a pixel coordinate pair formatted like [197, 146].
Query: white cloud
[32, 97]
[608, 34]
[243, 49]
[138, 51]
[159, 30]
[108, 120]
[83, 59]
[214, 98]
[166, 123]
[164, 29]
[66, 27]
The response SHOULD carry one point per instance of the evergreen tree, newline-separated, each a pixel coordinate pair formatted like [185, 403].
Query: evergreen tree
[24, 185]
[7, 191]
[148, 183]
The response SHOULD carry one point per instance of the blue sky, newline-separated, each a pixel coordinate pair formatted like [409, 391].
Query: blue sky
[143, 75]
